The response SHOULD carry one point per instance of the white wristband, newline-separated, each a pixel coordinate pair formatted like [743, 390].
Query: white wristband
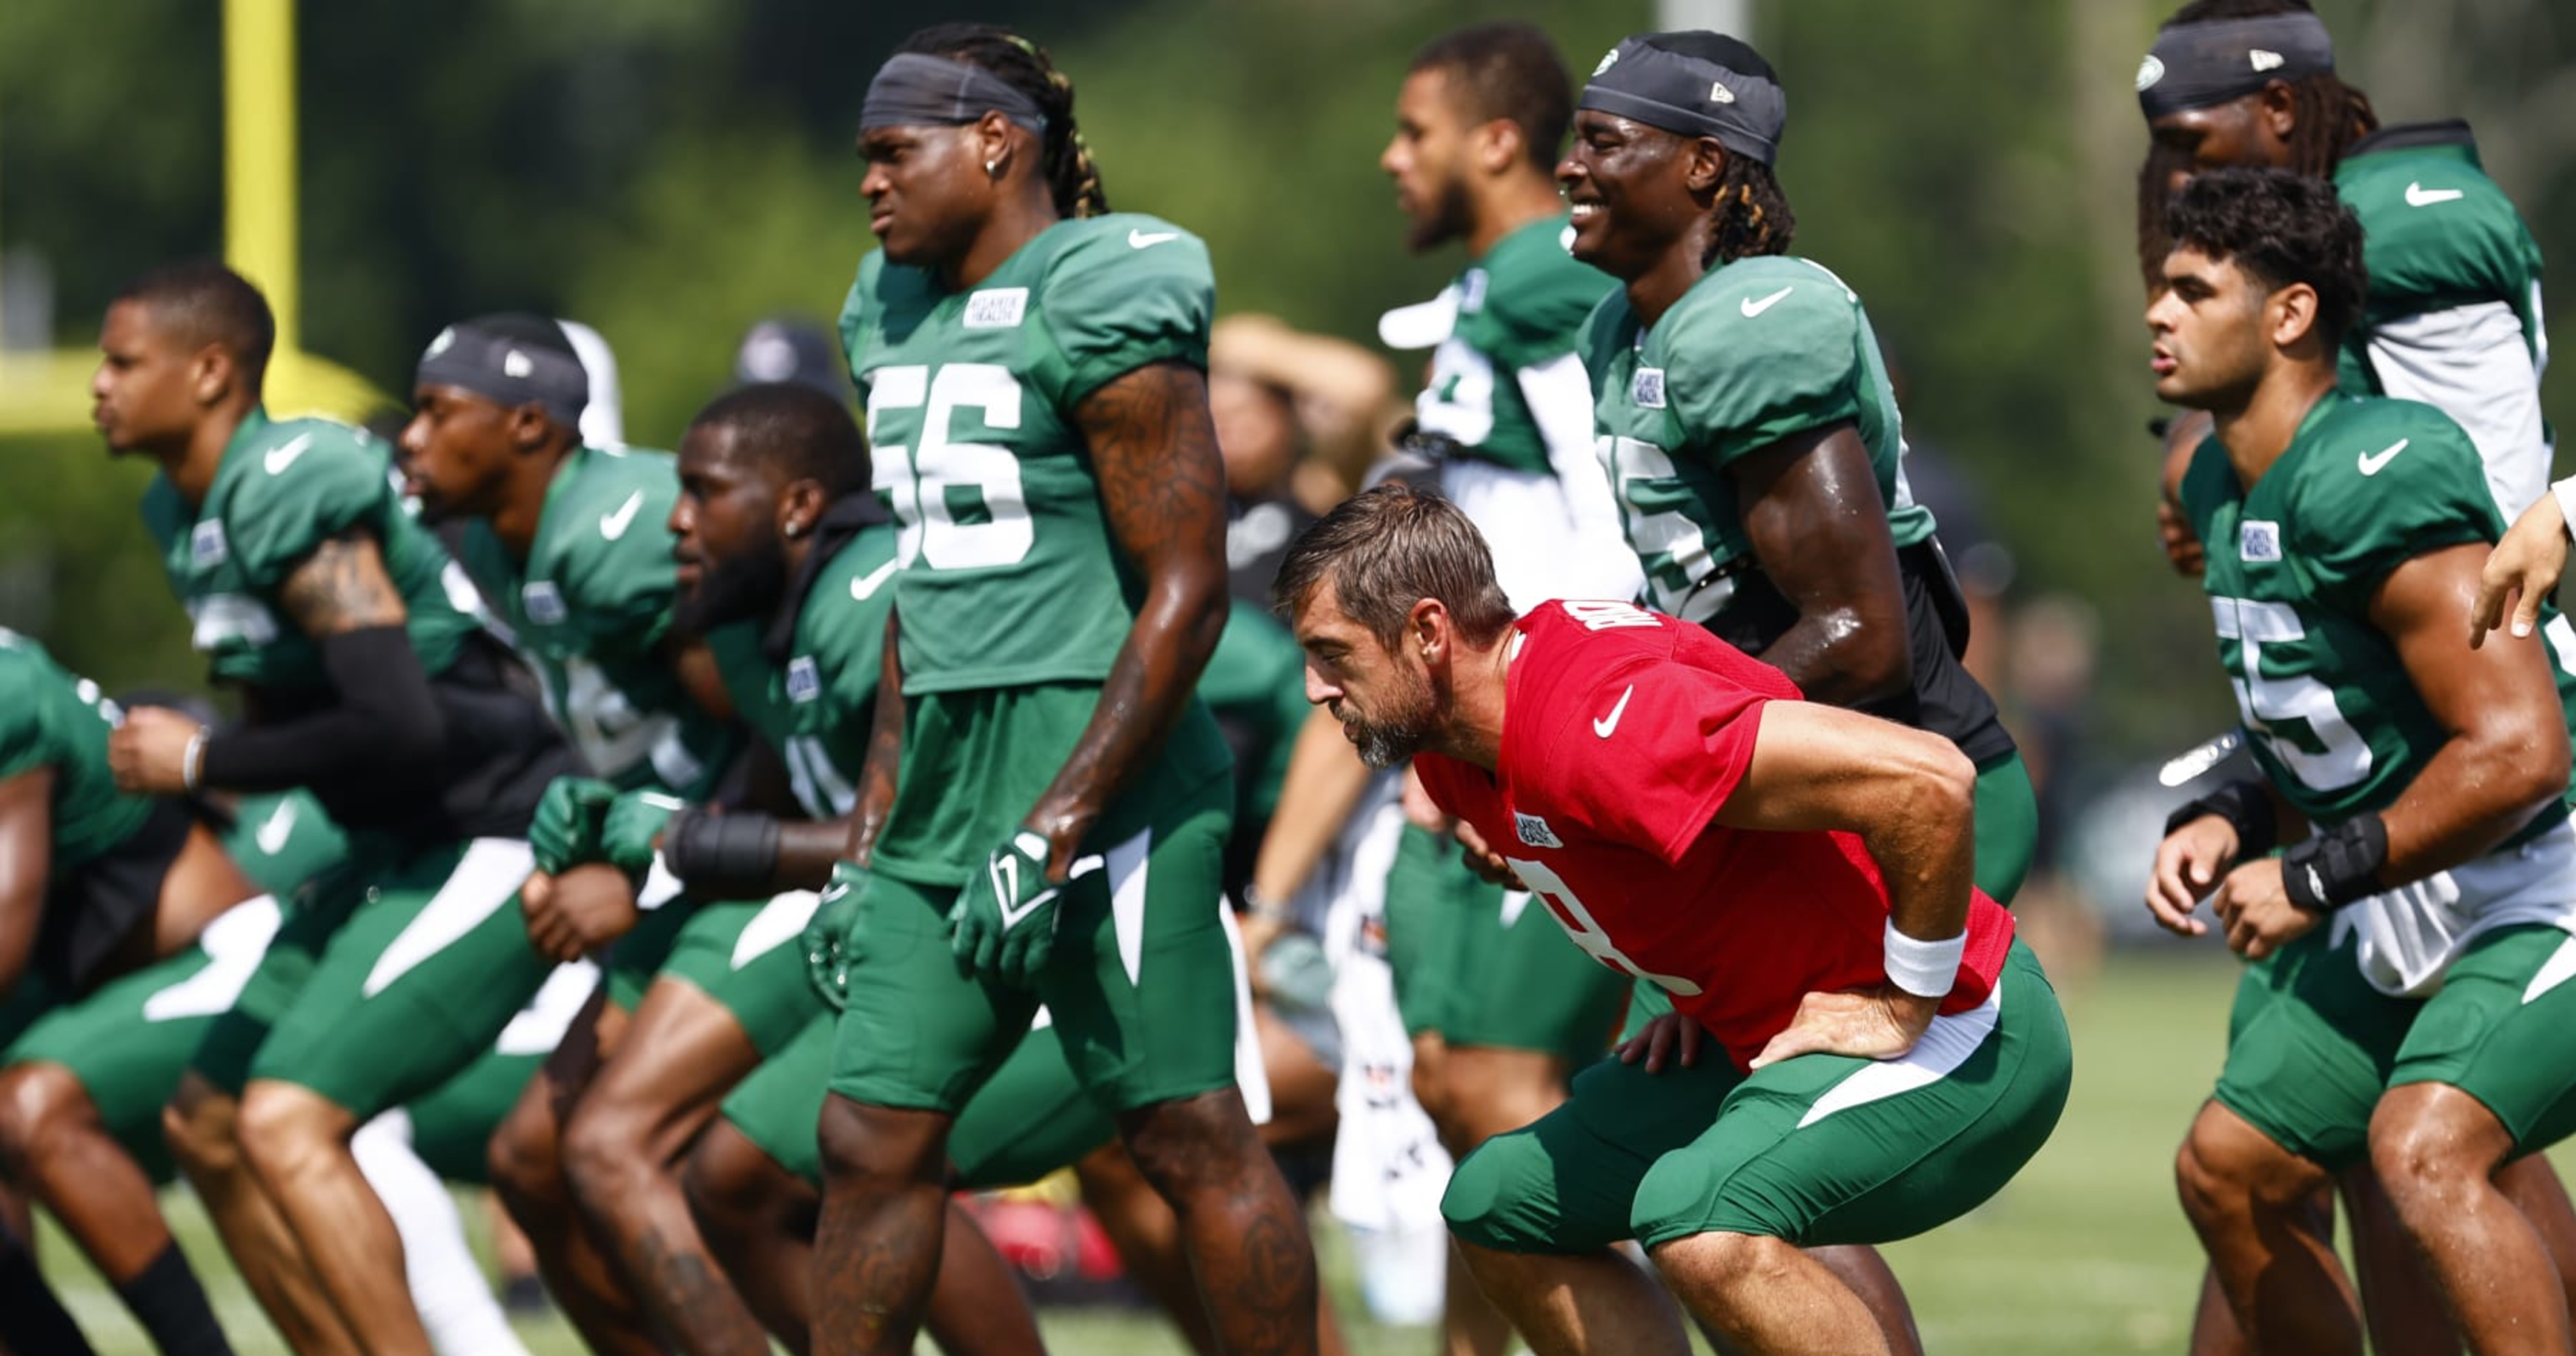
[1923, 969]
[192, 761]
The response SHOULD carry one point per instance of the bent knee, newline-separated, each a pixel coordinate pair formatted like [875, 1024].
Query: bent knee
[604, 1153]
[879, 1147]
[2430, 1138]
[526, 1171]
[282, 1127]
[727, 1178]
[1491, 1202]
[1726, 1258]
[2226, 1166]
[39, 1103]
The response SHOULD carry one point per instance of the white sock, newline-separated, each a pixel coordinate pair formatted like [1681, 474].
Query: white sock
[447, 1285]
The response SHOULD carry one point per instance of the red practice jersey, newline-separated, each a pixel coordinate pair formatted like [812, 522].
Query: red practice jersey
[1623, 732]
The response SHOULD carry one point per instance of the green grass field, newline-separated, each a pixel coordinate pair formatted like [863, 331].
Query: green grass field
[2085, 1252]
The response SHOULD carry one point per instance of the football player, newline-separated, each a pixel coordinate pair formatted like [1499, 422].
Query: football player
[1797, 876]
[1043, 818]
[2419, 785]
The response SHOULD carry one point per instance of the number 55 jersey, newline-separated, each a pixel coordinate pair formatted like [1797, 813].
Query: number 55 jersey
[2333, 720]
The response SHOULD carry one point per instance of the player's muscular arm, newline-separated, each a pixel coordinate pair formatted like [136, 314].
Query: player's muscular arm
[1819, 528]
[26, 858]
[1910, 796]
[386, 717]
[1163, 492]
[2507, 754]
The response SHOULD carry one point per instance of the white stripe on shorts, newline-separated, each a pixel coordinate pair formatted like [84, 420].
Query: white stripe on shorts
[1946, 1045]
[485, 879]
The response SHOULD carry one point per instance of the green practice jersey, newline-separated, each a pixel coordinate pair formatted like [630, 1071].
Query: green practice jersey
[591, 609]
[283, 839]
[2366, 485]
[281, 491]
[1507, 377]
[2453, 317]
[1755, 352]
[50, 718]
[810, 691]
[1010, 574]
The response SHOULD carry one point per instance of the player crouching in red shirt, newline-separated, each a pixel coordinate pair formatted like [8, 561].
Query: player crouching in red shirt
[1795, 875]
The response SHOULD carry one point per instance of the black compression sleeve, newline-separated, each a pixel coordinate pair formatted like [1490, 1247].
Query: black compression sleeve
[387, 721]
[722, 856]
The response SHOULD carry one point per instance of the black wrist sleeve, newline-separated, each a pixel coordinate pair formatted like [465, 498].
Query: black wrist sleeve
[2338, 866]
[728, 856]
[2246, 804]
[386, 723]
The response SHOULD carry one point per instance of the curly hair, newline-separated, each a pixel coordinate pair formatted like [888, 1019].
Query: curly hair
[1065, 159]
[2281, 227]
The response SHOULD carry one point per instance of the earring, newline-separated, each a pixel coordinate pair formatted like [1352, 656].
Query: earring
[992, 169]
[795, 530]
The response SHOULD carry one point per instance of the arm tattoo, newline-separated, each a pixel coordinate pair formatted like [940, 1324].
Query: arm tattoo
[1162, 489]
[342, 586]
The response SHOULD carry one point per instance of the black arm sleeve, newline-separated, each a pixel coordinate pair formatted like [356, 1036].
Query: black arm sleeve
[387, 720]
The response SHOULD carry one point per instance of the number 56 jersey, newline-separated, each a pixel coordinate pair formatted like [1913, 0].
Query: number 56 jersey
[1010, 576]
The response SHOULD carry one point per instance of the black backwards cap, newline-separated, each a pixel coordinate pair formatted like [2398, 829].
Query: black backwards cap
[1723, 90]
[2196, 65]
[511, 359]
[916, 89]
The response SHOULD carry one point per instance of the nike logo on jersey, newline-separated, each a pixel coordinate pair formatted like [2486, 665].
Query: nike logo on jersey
[1144, 240]
[283, 456]
[1752, 308]
[1603, 725]
[613, 525]
[2371, 462]
[865, 586]
[2419, 196]
[277, 828]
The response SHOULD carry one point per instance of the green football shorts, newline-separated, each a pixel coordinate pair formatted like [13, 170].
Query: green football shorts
[1820, 1149]
[2320, 1044]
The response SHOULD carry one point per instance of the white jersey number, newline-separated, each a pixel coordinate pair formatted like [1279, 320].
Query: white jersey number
[2266, 703]
[918, 479]
[1580, 925]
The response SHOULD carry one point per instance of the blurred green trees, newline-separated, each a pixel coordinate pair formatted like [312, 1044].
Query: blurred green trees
[672, 170]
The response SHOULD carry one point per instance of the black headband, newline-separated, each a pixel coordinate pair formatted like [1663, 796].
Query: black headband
[916, 89]
[1690, 95]
[2196, 65]
[508, 370]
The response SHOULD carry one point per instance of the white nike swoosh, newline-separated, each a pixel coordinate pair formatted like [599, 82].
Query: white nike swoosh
[283, 456]
[275, 830]
[1137, 240]
[2372, 461]
[1605, 724]
[613, 525]
[1011, 917]
[2419, 196]
[1752, 308]
[865, 586]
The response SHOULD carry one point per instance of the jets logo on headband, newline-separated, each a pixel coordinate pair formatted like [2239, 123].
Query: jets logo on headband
[1608, 60]
[2149, 72]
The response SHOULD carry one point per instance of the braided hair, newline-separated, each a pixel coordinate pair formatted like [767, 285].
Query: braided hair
[1071, 176]
[1752, 214]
